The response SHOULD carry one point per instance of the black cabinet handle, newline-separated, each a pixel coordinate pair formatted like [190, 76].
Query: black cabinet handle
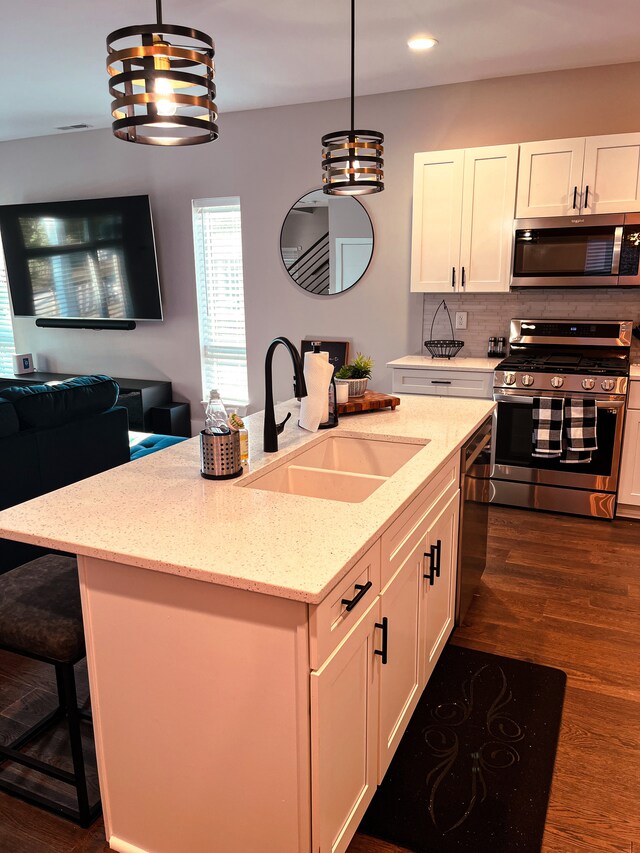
[438, 554]
[432, 564]
[463, 277]
[384, 625]
[453, 278]
[586, 195]
[363, 589]
[575, 197]
[441, 382]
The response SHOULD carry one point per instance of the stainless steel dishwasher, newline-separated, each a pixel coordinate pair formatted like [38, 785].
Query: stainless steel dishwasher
[474, 516]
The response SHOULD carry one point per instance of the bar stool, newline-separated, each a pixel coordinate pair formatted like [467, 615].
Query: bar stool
[41, 618]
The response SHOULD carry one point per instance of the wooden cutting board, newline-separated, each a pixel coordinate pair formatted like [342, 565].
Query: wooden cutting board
[371, 401]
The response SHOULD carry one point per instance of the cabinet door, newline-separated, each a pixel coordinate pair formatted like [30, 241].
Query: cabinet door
[344, 736]
[400, 676]
[550, 178]
[629, 487]
[488, 203]
[438, 599]
[612, 174]
[437, 212]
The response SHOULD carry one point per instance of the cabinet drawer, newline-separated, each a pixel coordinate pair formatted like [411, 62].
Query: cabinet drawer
[443, 382]
[403, 535]
[330, 621]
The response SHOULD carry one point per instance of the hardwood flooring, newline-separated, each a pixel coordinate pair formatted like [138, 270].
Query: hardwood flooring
[558, 590]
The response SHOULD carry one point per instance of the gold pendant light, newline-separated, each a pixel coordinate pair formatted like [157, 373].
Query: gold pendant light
[163, 92]
[352, 161]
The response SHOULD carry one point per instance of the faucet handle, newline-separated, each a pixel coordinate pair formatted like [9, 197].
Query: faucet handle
[280, 426]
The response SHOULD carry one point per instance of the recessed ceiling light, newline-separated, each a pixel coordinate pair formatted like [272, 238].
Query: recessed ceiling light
[422, 42]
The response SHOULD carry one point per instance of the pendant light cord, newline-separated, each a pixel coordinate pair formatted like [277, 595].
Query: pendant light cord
[353, 61]
[159, 11]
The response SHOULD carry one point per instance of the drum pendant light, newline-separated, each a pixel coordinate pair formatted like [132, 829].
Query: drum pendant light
[163, 93]
[352, 161]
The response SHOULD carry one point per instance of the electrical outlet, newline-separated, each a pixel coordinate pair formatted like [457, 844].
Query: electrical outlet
[461, 319]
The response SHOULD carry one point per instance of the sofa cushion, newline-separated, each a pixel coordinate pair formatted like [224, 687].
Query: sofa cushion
[153, 443]
[8, 419]
[54, 405]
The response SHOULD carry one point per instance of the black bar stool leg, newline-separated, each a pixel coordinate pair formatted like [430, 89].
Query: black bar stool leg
[66, 680]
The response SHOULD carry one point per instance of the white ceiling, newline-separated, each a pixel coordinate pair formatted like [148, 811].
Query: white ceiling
[273, 52]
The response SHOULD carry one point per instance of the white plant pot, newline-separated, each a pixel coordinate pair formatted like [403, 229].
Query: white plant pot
[357, 387]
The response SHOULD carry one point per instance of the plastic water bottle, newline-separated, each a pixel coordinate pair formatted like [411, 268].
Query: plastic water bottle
[215, 419]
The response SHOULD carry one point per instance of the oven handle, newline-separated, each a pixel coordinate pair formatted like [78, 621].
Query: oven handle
[514, 398]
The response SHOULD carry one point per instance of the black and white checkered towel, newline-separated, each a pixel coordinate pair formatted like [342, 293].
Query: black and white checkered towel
[580, 426]
[548, 419]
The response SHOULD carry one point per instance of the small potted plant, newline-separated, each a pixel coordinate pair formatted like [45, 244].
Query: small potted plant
[357, 374]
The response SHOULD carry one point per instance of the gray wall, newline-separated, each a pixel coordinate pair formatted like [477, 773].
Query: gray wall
[269, 158]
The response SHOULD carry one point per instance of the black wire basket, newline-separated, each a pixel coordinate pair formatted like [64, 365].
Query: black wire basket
[443, 348]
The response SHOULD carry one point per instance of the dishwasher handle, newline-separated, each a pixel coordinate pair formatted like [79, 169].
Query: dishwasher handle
[478, 443]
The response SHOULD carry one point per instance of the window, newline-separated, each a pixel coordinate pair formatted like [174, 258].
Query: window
[218, 252]
[7, 345]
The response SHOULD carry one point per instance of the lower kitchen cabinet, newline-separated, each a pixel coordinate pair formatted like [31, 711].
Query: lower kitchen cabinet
[364, 693]
[629, 481]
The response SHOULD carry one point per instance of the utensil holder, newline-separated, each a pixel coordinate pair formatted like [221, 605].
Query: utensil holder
[443, 348]
[220, 456]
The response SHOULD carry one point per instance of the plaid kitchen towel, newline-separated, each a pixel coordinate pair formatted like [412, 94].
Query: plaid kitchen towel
[580, 425]
[548, 417]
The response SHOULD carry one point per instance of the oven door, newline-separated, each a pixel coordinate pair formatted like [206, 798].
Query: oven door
[511, 457]
[566, 252]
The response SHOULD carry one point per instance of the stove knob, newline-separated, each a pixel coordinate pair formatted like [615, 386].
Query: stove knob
[509, 378]
[588, 383]
[608, 384]
[557, 381]
[527, 380]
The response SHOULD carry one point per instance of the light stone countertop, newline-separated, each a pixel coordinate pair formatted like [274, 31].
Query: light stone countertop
[158, 513]
[486, 365]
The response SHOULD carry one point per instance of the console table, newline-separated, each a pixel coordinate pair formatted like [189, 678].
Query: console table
[147, 401]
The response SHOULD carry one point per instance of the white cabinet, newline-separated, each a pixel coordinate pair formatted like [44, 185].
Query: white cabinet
[596, 174]
[344, 717]
[629, 483]
[463, 204]
[363, 695]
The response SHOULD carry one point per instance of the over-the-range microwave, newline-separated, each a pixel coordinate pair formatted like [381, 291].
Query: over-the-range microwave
[596, 250]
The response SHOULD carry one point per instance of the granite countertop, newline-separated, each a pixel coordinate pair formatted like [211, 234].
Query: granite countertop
[486, 365]
[158, 513]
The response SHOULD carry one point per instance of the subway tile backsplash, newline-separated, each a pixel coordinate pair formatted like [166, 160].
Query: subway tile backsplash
[490, 313]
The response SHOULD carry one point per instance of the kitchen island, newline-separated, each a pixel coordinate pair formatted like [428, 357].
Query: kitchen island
[237, 637]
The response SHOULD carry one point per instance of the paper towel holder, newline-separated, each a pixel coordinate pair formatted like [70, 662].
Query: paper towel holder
[332, 420]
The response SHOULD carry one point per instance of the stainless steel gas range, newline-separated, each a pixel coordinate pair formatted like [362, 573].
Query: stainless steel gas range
[584, 360]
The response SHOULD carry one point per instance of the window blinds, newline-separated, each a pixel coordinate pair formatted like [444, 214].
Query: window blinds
[7, 345]
[218, 254]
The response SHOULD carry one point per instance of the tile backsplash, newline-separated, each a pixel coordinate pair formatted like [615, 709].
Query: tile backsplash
[489, 314]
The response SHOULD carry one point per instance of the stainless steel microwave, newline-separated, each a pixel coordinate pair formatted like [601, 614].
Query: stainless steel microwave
[595, 250]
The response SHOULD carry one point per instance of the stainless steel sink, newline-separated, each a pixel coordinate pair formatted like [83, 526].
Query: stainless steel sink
[340, 468]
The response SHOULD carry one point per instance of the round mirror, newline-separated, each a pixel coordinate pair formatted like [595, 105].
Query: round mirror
[326, 242]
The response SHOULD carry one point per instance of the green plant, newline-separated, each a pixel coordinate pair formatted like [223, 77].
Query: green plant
[360, 368]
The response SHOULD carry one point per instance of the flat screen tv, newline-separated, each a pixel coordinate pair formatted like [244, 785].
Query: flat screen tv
[93, 259]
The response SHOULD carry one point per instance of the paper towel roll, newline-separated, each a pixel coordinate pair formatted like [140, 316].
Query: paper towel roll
[314, 408]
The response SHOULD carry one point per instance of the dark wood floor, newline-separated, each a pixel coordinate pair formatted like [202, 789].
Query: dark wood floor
[558, 590]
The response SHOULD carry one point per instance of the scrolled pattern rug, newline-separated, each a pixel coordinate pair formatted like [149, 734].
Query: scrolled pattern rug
[473, 771]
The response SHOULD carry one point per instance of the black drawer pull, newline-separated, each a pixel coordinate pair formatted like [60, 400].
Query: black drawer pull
[384, 625]
[586, 196]
[351, 602]
[441, 382]
[575, 197]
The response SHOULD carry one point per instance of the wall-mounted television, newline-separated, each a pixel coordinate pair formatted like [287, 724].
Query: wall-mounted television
[92, 259]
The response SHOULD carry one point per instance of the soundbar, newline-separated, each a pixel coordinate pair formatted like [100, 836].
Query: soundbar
[89, 323]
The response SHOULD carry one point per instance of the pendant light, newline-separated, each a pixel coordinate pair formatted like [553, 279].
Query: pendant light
[161, 89]
[352, 161]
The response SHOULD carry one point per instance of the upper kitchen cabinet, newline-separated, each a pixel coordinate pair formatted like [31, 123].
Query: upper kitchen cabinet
[596, 174]
[463, 205]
